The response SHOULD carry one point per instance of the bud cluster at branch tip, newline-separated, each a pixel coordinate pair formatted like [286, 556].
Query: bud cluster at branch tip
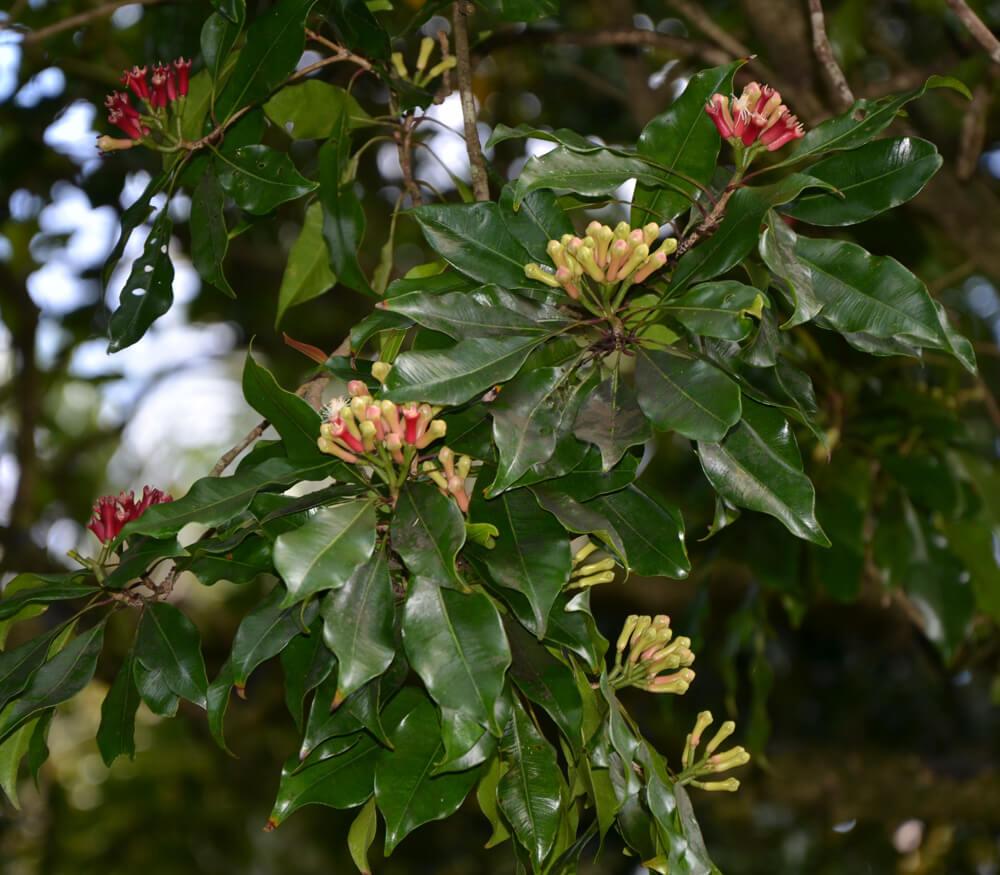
[161, 97]
[586, 571]
[711, 763]
[650, 653]
[362, 430]
[113, 512]
[604, 256]
[757, 118]
[422, 76]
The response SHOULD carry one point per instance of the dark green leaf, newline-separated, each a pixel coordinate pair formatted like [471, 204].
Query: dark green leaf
[264, 633]
[311, 110]
[168, 641]
[869, 180]
[597, 173]
[563, 136]
[306, 662]
[307, 273]
[777, 248]
[359, 29]
[18, 665]
[218, 35]
[324, 552]
[137, 213]
[455, 375]
[588, 479]
[611, 420]
[234, 10]
[427, 531]
[538, 220]
[148, 292]
[690, 396]
[116, 734]
[358, 624]
[293, 418]
[142, 553]
[456, 643]
[209, 236]
[42, 595]
[530, 792]
[58, 680]
[343, 217]
[273, 47]
[153, 690]
[758, 467]
[717, 309]
[578, 518]
[682, 140]
[258, 178]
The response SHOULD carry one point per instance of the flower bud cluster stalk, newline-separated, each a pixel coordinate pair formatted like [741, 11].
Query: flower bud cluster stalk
[589, 571]
[599, 269]
[711, 763]
[654, 663]
[754, 122]
[157, 123]
[422, 76]
[388, 437]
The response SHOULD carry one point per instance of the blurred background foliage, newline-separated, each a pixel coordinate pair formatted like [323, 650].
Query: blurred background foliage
[867, 676]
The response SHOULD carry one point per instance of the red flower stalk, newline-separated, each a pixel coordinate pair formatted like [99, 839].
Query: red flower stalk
[163, 82]
[122, 114]
[111, 513]
[756, 116]
[136, 80]
[183, 70]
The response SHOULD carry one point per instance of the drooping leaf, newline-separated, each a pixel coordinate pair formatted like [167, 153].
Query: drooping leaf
[258, 178]
[18, 665]
[718, 309]
[153, 690]
[758, 467]
[578, 518]
[427, 532]
[870, 180]
[358, 624]
[684, 141]
[218, 35]
[777, 248]
[167, 641]
[149, 290]
[306, 663]
[209, 236]
[311, 110]
[58, 680]
[690, 396]
[651, 532]
[46, 594]
[323, 553]
[486, 796]
[307, 273]
[136, 213]
[359, 29]
[292, 417]
[530, 791]
[406, 793]
[611, 420]
[456, 643]
[116, 734]
[361, 836]
[264, 633]
[453, 376]
[273, 47]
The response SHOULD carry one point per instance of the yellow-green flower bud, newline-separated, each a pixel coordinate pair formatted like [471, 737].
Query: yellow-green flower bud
[622, 230]
[702, 723]
[627, 628]
[730, 785]
[584, 552]
[595, 568]
[650, 232]
[593, 580]
[400, 65]
[430, 469]
[367, 430]
[668, 246]
[727, 729]
[536, 272]
[426, 47]
[463, 467]
[731, 759]
[437, 429]
[642, 624]
[556, 252]
[359, 407]
[440, 67]
[638, 256]
[380, 371]
[585, 255]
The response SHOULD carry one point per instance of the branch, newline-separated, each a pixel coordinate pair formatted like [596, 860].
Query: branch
[477, 166]
[980, 32]
[82, 18]
[841, 91]
[973, 133]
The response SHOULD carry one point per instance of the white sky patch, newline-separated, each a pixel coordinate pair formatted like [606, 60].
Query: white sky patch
[73, 134]
[447, 140]
[45, 84]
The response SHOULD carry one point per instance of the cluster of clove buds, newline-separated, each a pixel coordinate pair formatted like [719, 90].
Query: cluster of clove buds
[161, 96]
[711, 763]
[388, 437]
[757, 118]
[650, 652]
[590, 573]
[113, 512]
[422, 75]
[604, 255]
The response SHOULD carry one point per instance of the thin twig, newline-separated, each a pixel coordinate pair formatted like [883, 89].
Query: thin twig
[81, 18]
[227, 457]
[404, 146]
[341, 53]
[980, 32]
[973, 134]
[840, 90]
[477, 166]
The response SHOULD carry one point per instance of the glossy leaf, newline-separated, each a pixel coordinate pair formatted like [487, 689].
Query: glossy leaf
[406, 793]
[597, 173]
[536, 221]
[292, 417]
[359, 29]
[358, 624]
[869, 180]
[214, 500]
[579, 518]
[307, 273]
[455, 375]
[456, 643]
[46, 594]
[263, 634]
[153, 690]
[306, 663]
[611, 420]
[427, 531]
[19, 664]
[777, 248]
[311, 110]
[474, 239]
[167, 641]
[717, 309]
[486, 796]
[323, 553]
[149, 290]
[530, 792]
[258, 178]
[690, 396]
[651, 532]
[218, 35]
[361, 836]
[531, 555]
[273, 47]
[136, 213]
[209, 236]
[877, 296]
[116, 734]
[141, 553]
[58, 680]
[758, 467]
[682, 140]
